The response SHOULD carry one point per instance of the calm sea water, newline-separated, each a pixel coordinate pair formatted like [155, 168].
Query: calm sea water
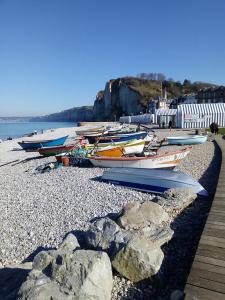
[19, 129]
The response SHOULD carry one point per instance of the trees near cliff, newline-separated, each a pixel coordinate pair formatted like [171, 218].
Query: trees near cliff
[152, 76]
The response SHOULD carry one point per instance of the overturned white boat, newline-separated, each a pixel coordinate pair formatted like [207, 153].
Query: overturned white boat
[154, 181]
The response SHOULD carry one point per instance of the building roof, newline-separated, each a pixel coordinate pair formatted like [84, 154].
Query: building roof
[166, 112]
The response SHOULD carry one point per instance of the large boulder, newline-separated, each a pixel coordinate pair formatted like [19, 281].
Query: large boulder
[138, 215]
[59, 275]
[105, 235]
[175, 200]
[69, 243]
[44, 258]
[139, 259]
[158, 235]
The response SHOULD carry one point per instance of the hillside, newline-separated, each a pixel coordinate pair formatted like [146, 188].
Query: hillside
[130, 95]
[83, 113]
[151, 89]
[15, 119]
[124, 96]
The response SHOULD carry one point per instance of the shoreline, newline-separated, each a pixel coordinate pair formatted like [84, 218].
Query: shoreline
[28, 131]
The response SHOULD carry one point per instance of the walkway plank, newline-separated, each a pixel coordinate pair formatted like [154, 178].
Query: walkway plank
[207, 275]
[211, 251]
[206, 280]
[207, 283]
[198, 293]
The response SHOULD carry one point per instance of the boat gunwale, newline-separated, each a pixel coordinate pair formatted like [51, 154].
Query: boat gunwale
[114, 137]
[120, 146]
[133, 158]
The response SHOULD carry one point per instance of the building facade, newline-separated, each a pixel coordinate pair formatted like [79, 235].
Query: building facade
[200, 115]
[211, 95]
[187, 99]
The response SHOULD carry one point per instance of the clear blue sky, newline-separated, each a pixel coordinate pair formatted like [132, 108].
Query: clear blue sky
[56, 54]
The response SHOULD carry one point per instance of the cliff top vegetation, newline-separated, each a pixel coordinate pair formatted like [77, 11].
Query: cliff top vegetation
[151, 89]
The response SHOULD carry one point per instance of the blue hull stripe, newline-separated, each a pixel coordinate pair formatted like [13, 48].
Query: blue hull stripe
[123, 139]
[139, 186]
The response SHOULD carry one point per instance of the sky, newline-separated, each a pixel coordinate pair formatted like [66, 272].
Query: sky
[57, 54]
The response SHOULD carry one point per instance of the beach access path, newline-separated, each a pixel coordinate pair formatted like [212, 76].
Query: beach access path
[206, 280]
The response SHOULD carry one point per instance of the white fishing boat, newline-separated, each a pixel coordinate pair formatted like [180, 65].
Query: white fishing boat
[160, 161]
[187, 140]
[154, 181]
[90, 130]
[114, 129]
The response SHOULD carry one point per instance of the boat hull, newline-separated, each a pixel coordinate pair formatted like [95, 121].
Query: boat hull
[192, 140]
[154, 181]
[52, 151]
[114, 152]
[103, 145]
[119, 151]
[134, 148]
[167, 160]
[123, 138]
[35, 145]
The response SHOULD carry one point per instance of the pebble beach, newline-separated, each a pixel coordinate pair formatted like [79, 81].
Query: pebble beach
[37, 210]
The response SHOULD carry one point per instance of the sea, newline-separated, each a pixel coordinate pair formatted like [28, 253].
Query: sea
[19, 129]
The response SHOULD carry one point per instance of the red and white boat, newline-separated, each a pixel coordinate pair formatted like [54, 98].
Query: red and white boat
[159, 161]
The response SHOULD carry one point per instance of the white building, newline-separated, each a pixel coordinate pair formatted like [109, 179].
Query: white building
[142, 119]
[200, 115]
[163, 116]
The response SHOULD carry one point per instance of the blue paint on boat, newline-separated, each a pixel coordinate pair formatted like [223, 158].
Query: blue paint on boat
[123, 138]
[187, 140]
[153, 181]
[138, 186]
[34, 145]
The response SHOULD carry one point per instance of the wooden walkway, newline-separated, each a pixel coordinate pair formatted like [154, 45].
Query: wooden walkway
[206, 280]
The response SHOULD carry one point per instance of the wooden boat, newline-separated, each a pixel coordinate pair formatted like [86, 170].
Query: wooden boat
[89, 131]
[187, 140]
[154, 181]
[161, 161]
[113, 130]
[102, 145]
[123, 137]
[122, 130]
[51, 151]
[36, 144]
[110, 151]
[135, 147]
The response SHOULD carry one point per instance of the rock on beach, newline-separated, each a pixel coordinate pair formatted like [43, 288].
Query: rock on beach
[138, 260]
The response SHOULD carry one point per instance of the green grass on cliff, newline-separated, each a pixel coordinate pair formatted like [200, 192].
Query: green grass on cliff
[151, 89]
